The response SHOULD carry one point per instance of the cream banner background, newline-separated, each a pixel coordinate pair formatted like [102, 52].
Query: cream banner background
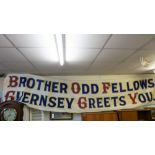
[98, 105]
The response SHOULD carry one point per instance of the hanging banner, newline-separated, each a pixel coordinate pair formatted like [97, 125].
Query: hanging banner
[78, 94]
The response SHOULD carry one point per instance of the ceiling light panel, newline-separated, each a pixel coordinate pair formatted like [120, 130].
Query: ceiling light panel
[60, 48]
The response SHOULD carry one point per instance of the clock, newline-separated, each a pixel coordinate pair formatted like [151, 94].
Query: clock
[11, 111]
[9, 114]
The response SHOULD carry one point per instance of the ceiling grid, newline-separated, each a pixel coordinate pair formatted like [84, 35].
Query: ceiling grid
[85, 54]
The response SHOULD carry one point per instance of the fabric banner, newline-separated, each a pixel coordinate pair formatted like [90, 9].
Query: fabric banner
[78, 94]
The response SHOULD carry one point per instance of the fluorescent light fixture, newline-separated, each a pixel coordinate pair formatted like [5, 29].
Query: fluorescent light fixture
[49, 53]
[59, 44]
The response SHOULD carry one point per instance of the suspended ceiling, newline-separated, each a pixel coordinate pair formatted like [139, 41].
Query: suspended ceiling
[85, 54]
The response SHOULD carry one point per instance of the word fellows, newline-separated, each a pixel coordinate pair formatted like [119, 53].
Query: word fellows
[80, 94]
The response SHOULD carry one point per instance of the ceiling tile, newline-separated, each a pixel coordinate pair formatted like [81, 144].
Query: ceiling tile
[3, 69]
[112, 55]
[149, 55]
[102, 65]
[122, 70]
[4, 42]
[73, 72]
[135, 57]
[40, 54]
[110, 62]
[81, 55]
[125, 66]
[32, 40]
[130, 41]
[75, 68]
[19, 67]
[11, 55]
[150, 46]
[86, 40]
[119, 56]
[100, 69]
[128, 68]
[47, 67]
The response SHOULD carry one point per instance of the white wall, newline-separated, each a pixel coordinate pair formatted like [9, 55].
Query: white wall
[1, 86]
[26, 111]
[76, 117]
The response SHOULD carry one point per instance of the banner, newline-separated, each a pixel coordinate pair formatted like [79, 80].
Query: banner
[78, 94]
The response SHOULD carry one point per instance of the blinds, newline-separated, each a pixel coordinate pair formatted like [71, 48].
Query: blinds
[36, 115]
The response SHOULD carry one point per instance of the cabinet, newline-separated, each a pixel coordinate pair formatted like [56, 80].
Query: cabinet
[121, 115]
[128, 115]
[134, 115]
[100, 116]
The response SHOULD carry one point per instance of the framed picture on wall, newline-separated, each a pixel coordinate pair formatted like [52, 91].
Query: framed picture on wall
[61, 116]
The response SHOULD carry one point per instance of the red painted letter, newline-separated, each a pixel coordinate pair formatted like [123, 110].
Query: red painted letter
[13, 81]
[7, 96]
[82, 102]
[133, 98]
[75, 88]
[105, 87]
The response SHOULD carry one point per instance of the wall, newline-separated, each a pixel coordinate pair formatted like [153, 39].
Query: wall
[1, 86]
[26, 111]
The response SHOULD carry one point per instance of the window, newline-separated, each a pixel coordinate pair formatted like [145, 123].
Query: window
[36, 115]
